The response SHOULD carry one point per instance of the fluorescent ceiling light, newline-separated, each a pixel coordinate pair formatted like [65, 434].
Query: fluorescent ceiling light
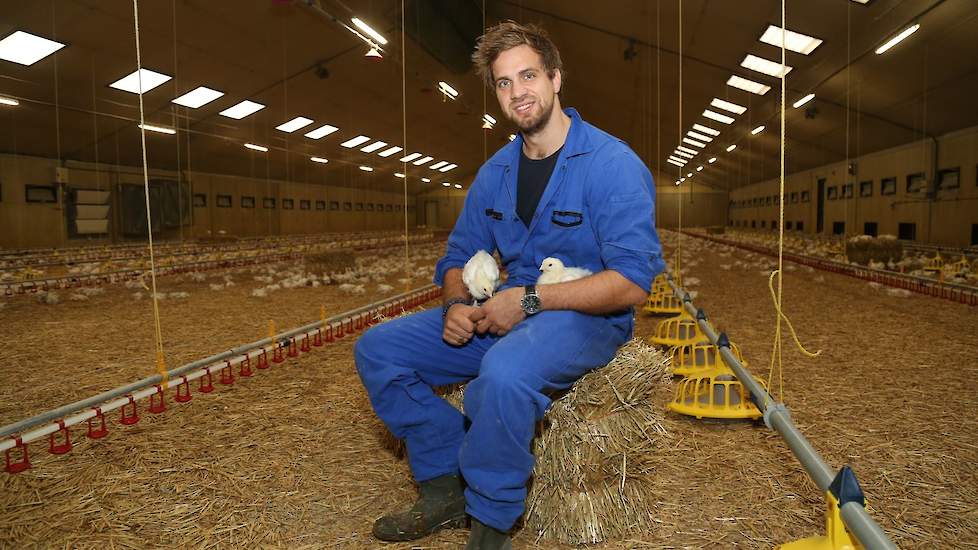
[458, 186]
[398, 175]
[447, 90]
[699, 168]
[718, 117]
[242, 109]
[747, 85]
[731, 148]
[366, 169]
[374, 146]
[687, 150]
[447, 168]
[684, 154]
[438, 164]
[794, 41]
[689, 175]
[693, 142]
[803, 100]
[699, 137]
[512, 137]
[764, 66]
[488, 118]
[426, 180]
[423, 160]
[160, 129]
[355, 142]
[706, 130]
[388, 152]
[757, 130]
[446, 184]
[26, 48]
[370, 32]
[863, 2]
[8, 101]
[294, 124]
[322, 131]
[197, 97]
[410, 157]
[675, 163]
[712, 160]
[130, 82]
[320, 160]
[898, 38]
[682, 180]
[254, 147]
[728, 106]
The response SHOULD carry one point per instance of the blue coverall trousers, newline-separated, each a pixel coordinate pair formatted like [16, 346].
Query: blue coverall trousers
[511, 376]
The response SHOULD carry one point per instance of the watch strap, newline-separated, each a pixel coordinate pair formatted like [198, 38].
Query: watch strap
[448, 305]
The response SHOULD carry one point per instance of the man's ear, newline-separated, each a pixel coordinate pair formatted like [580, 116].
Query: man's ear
[557, 81]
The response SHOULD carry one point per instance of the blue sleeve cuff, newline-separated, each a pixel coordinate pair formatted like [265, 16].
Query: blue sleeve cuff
[639, 267]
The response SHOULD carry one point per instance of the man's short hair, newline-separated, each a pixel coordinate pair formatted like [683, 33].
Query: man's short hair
[508, 35]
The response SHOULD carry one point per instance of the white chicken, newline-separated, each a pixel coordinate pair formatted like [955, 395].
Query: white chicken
[554, 271]
[481, 275]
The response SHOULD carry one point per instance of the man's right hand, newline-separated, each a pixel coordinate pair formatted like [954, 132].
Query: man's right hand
[460, 323]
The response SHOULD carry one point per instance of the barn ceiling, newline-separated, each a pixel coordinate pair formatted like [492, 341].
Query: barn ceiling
[622, 60]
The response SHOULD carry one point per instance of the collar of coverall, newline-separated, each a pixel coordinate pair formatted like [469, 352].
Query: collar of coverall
[577, 142]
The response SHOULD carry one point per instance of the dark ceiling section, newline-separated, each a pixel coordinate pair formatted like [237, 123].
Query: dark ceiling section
[622, 61]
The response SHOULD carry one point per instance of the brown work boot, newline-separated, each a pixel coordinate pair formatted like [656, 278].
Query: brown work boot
[484, 537]
[441, 505]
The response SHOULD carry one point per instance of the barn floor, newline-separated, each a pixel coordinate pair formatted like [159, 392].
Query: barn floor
[294, 457]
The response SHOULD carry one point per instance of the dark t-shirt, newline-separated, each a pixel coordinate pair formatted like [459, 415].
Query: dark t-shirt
[532, 180]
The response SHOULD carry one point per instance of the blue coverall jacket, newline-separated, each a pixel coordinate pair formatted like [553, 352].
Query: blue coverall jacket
[597, 213]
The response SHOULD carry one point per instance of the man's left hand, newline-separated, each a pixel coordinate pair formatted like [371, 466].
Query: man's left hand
[502, 312]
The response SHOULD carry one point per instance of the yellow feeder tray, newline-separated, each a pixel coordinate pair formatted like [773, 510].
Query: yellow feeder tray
[934, 264]
[837, 536]
[663, 302]
[959, 267]
[677, 331]
[698, 358]
[661, 284]
[715, 394]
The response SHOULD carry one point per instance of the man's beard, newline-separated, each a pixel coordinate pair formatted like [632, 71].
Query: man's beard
[534, 126]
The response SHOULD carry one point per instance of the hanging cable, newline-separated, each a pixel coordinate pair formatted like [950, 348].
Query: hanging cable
[776, 355]
[404, 170]
[679, 195]
[160, 358]
[175, 120]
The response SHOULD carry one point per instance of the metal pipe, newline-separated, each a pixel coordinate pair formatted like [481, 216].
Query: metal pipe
[777, 417]
[61, 412]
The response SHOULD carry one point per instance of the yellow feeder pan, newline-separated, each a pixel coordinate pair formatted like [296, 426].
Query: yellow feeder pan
[664, 301]
[698, 358]
[661, 284]
[836, 537]
[678, 330]
[959, 267]
[715, 394]
[934, 264]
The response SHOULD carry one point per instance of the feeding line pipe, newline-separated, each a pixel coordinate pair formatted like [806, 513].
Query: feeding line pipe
[777, 417]
[141, 389]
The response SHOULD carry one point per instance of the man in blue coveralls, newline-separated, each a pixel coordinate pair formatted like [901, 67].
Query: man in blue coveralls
[562, 189]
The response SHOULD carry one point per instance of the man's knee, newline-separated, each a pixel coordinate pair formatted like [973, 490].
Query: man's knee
[501, 379]
[368, 354]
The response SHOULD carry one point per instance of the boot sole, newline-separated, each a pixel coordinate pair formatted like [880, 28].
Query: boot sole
[451, 523]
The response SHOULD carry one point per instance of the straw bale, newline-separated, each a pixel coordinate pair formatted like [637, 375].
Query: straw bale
[595, 451]
[327, 262]
[863, 249]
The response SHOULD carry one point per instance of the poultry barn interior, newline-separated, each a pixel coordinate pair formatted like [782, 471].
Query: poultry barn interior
[204, 206]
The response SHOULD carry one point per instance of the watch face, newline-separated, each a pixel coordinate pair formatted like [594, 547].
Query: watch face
[531, 304]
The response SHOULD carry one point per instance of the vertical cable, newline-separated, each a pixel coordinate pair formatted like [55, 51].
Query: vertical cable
[160, 359]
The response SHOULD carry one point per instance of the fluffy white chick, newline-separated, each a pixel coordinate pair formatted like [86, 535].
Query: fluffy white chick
[481, 275]
[554, 271]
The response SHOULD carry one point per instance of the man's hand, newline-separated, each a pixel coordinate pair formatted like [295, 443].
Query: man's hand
[460, 324]
[502, 312]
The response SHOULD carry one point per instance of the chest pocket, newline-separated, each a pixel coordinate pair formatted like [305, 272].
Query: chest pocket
[566, 218]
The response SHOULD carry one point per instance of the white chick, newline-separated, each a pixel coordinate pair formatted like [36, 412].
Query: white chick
[481, 275]
[555, 272]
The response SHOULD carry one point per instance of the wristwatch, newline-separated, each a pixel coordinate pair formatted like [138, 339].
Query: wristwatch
[530, 302]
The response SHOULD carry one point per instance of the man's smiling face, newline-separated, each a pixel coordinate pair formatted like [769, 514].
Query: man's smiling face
[525, 93]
